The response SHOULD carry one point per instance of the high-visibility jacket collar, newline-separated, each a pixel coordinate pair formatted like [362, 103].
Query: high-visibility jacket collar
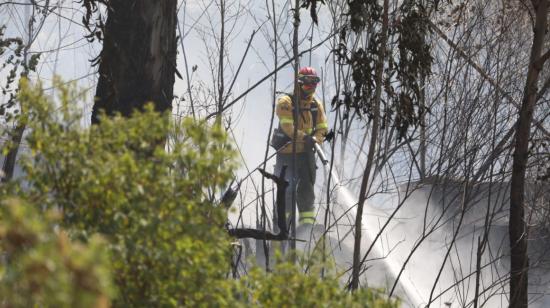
[305, 103]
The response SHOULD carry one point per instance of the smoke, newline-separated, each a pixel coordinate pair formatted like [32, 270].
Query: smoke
[381, 268]
[414, 230]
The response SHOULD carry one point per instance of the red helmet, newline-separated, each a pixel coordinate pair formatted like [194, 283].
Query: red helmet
[308, 75]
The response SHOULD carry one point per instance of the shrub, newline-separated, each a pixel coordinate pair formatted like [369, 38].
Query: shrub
[288, 286]
[43, 268]
[154, 206]
[164, 236]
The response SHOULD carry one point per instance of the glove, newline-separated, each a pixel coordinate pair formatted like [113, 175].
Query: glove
[310, 141]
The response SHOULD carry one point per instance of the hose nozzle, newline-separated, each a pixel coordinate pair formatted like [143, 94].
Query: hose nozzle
[321, 154]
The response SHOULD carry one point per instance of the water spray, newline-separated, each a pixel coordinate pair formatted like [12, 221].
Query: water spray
[347, 208]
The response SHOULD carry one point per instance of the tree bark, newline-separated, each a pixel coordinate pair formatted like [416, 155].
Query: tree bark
[295, 113]
[517, 227]
[356, 267]
[423, 130]
[138, 60]
[8, 167]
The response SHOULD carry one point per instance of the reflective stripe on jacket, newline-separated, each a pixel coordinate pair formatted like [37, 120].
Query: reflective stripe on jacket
[305, 121]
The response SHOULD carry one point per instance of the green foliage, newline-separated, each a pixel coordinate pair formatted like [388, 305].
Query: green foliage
[153, 205]
[412, 66]
[11, 49]
[14, 59]
[165, 239]
[363, 14]
[287, 286]
[406, 64]
[93, 20]
[43, 268]
[312, 6]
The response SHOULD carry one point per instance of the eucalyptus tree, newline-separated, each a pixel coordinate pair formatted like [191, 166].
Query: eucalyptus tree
[21, 62]
[385, 47]
[517, 226]
[137, 64]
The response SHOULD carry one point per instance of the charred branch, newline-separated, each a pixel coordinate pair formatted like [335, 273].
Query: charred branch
[282, 184]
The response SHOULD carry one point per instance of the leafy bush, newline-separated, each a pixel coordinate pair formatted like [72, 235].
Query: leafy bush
[288, 286]
[166, 241]
[154, 206]
[43, 268]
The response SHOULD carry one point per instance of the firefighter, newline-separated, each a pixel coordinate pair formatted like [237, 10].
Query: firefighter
[312, 127]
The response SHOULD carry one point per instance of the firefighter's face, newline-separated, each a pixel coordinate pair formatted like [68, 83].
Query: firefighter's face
[309, 88]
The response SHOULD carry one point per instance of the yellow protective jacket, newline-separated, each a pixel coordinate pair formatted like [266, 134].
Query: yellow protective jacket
[305, 121]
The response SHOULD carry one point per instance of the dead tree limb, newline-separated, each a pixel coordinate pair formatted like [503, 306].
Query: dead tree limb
[282, 184]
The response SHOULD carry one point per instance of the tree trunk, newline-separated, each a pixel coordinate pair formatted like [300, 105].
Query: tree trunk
[138, 60]
[517, 226]
[8, 167]
[295, 113]
[422, 171]
[356, 267]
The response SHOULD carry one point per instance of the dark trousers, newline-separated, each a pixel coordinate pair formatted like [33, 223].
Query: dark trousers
[302, 182]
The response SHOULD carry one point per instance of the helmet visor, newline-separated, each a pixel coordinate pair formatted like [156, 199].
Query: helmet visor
[309, 80]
